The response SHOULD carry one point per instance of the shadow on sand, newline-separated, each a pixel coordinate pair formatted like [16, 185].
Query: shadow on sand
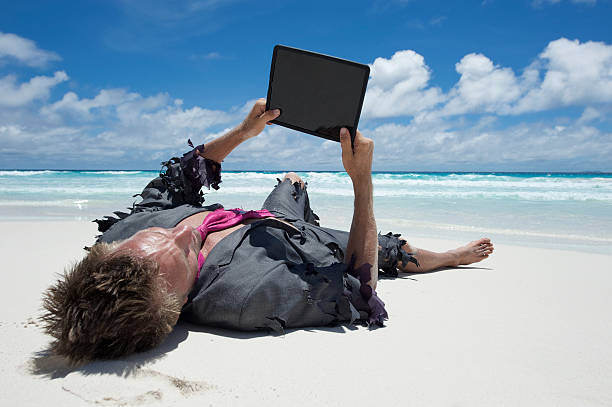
[44, 363]
[408, 275]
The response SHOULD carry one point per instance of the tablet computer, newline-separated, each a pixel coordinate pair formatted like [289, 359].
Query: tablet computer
[316, 94]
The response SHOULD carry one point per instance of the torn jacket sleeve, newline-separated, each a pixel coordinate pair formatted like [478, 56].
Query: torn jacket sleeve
[199, 171]
[375, 308]
[179, 182]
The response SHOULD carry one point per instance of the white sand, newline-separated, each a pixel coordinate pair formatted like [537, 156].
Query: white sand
[527, 327]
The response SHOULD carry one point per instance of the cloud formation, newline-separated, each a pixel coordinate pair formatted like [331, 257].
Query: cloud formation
[16, 48]
[399, 86]
[13, 94]
[447, 145]
[415, 124]
[566, 73]
[482, 88]
[115, 127]
[574, 74]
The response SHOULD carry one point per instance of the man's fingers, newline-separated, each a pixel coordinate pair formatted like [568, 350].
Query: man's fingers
[363, 143]
[358, 135]
[345, 142]
[270, 115]
[259, 108]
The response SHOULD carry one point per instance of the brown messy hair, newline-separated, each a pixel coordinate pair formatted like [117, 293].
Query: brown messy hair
[108, 305]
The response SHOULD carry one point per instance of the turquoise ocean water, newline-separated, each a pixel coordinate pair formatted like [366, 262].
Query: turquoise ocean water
[566, 211]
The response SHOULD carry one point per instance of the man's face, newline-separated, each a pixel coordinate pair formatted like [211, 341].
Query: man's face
[175, 250]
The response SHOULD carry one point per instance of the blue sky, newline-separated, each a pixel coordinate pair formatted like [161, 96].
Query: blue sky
[455, 86]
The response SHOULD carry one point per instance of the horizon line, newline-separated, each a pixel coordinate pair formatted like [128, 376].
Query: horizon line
[293, 170]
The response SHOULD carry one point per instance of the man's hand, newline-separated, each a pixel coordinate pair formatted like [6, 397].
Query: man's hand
[358, 161]
[256, 120]
[251, 126]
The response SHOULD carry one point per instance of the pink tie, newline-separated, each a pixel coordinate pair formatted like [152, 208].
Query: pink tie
[223, 219]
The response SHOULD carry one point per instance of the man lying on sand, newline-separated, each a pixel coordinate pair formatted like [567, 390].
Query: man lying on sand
[271, 269]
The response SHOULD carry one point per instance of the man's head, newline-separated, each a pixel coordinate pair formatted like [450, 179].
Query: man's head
[175, 250]
[122, 297]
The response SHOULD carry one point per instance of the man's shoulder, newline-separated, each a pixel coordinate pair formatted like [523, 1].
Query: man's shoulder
[126, 226]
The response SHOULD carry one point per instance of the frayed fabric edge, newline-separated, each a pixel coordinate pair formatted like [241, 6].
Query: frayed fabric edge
[377, 313]
[183, 186]
[391, 253]
[200, 171]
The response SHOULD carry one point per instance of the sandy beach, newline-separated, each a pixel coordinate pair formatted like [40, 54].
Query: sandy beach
[524, 327]
[467, 120]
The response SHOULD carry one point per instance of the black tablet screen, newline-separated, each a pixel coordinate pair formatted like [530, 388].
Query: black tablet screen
[316, 93]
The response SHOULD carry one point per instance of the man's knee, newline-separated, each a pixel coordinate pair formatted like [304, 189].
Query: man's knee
[293, 177]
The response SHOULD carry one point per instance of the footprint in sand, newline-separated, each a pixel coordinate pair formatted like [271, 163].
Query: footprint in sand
[144, 386]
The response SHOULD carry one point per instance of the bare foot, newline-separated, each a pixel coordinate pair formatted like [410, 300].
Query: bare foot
[473, 252]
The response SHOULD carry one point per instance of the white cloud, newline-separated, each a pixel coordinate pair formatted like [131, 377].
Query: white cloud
[131, 109]
[440, 145]
[399, 86]
[13, 94]
[589, 115]
[115, 127]
[566, 73]
[118, 128]
[483, 87]
[575, 73]
[23, 50]
[281, 148]
[70, 103]
[199, 118]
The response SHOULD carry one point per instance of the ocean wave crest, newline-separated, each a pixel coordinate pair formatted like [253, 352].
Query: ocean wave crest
[113, 172]
[28, 173]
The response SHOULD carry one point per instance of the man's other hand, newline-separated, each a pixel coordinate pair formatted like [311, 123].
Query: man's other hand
[357, 161]
[257, 119]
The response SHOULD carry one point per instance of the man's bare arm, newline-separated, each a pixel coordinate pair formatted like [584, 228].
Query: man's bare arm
[363, 238]
[251, 126]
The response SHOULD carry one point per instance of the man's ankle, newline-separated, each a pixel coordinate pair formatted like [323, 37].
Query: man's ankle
[454, 258]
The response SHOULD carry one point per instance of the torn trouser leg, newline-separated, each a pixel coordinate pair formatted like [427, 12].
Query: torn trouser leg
[290, 201]
[390, 253]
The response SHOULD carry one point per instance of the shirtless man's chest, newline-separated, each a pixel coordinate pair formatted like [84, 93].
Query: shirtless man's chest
[213, 238]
